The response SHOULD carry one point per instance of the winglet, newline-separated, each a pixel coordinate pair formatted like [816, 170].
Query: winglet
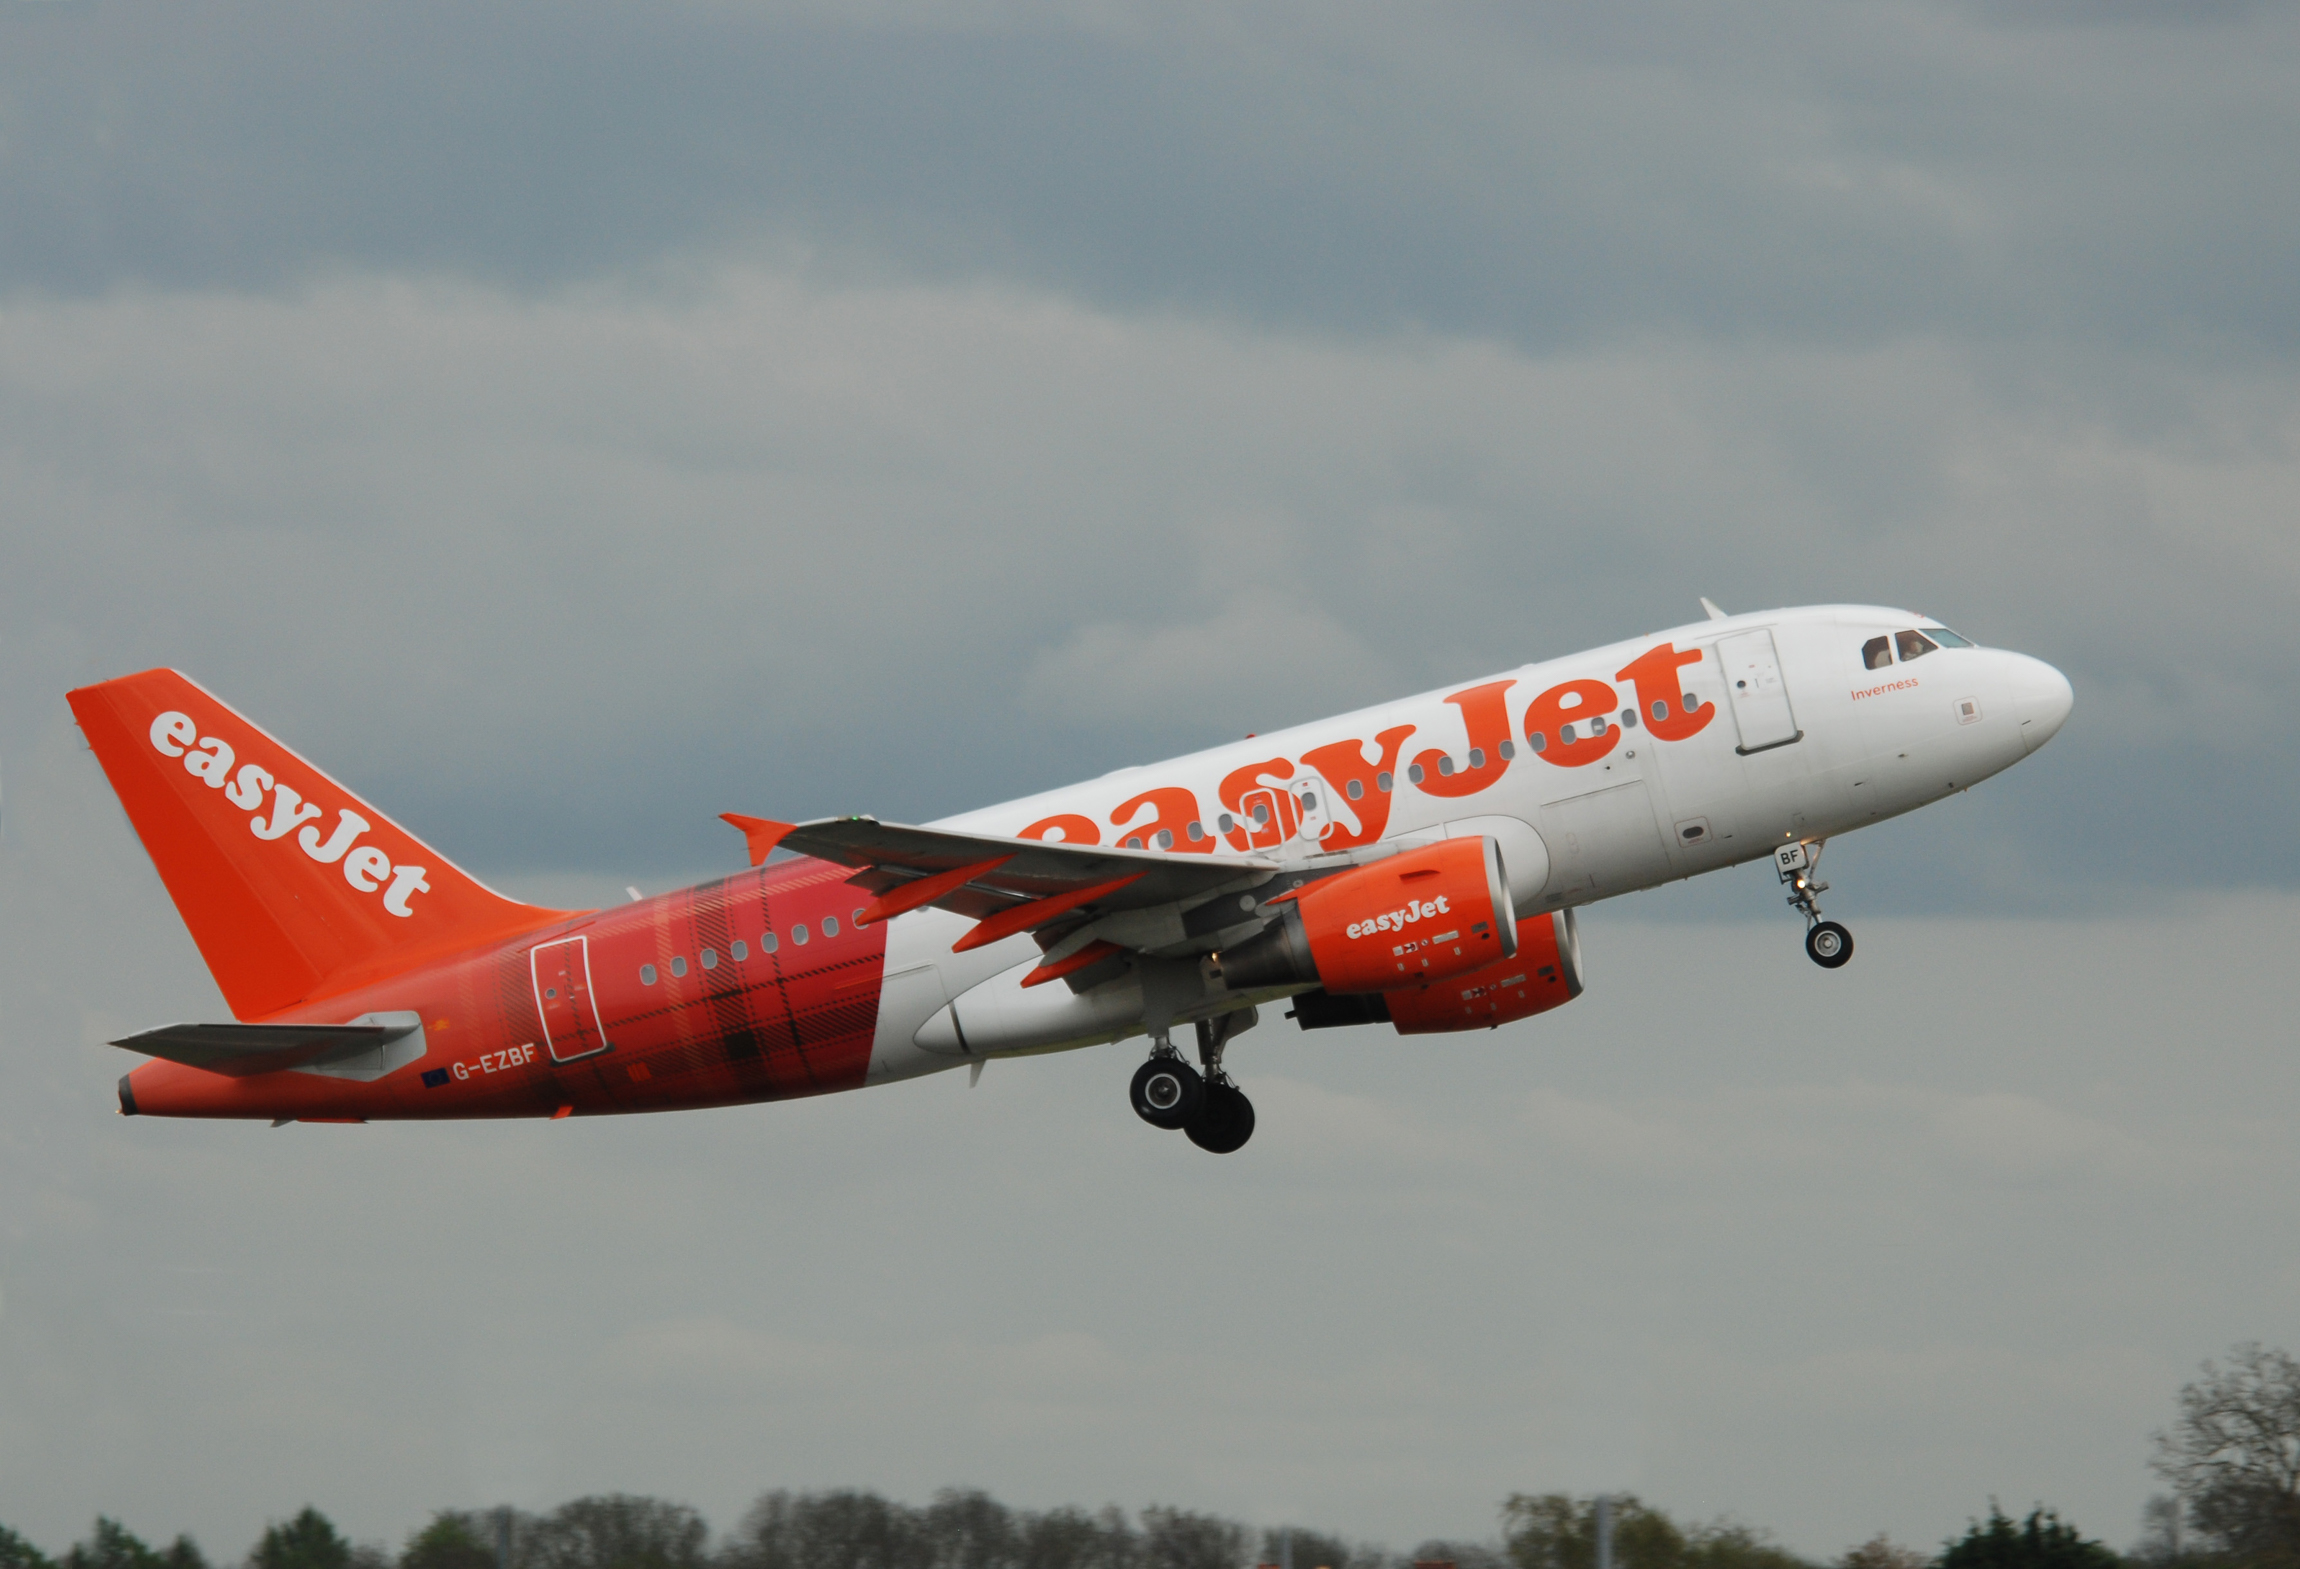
[1710, 605]
[759, 833]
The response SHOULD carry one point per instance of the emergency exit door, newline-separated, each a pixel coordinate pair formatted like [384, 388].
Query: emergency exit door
[562, 972]
[1755, 691]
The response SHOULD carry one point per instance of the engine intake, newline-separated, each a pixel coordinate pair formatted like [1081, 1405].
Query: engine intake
[1427, 914]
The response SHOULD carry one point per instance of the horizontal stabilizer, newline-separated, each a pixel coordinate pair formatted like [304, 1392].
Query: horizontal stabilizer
[240, 1050]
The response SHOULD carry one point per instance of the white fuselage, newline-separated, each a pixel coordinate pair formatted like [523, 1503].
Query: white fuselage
[1597, 774]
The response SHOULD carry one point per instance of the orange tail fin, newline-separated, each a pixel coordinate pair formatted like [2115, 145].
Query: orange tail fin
[292, 886]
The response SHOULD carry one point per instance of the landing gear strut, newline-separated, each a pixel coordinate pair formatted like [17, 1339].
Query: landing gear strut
[1209, 1107]
[1827, 944]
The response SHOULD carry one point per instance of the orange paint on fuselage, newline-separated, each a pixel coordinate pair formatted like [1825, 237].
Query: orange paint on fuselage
[794, 1019]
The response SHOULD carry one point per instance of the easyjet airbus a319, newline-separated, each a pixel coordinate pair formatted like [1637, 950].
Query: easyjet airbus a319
[1415, 865]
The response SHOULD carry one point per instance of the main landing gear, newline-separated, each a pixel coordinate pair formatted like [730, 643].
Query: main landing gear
[1208, 1107]
[1827, 944]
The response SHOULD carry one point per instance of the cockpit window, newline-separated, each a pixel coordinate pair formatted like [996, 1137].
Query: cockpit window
[1914, 645]
[1947, 639]
[1877, 653]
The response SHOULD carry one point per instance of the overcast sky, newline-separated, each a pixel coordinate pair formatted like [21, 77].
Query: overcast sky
[568, 422]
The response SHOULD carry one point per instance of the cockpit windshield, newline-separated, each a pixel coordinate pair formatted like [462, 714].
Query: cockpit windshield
[1947, 639]
[1877, 653]
[1914, 645]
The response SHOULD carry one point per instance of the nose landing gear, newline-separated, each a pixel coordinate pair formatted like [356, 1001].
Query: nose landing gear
[1827, 944]
[1209, 1107]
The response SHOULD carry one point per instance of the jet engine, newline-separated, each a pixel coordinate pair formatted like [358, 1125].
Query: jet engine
[1544, 974]
[1425, 915]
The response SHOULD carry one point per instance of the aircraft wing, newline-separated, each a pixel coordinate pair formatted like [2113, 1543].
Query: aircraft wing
[1006, 885]
[240, 1050]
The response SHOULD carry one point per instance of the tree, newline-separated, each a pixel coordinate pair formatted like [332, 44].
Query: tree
[839, 1530]
[1463, 1555]
[2234, 1455]
[1880, 1552]
[1316, 1550]
[1180, 1539]
[16, 1553]
[1074, 1539]
[2042, 1541]
[110, 1545]
[617, 1531]
[453, 1540]
[1559, 1531]
[309, 1541]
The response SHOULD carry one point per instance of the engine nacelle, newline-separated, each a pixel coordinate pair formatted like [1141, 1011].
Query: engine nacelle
[1424, 915]
[1545, 974]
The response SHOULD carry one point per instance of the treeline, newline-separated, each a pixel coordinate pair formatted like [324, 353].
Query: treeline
[964, 1529]
[2232, 1458]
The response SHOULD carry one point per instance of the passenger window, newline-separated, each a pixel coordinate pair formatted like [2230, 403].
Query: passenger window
[799, 934]
[646, 975]
[1357, 789]
[1476, 758]
[679, 966]
[1165, 838]
[1914, 645]
[1508, 750]
[1877, 653]
[1197, 832]
[739, 949]
[710, 958]
[769, 943]
[1415, 773]
[1383, 782]
[1226, 822]
[1540, 740]
[1629, 719]
[830, 926]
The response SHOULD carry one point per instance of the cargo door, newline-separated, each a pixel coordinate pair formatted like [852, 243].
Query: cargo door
[562, 973]
[1755, 691]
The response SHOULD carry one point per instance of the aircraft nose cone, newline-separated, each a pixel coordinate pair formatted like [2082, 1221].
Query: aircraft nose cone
[2042, 698]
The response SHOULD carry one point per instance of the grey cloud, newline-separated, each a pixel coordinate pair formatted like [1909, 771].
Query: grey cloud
[556, 580]
[1552, 178]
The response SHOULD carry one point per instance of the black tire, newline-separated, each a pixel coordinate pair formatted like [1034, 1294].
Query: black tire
[1829, 945]
[1167, 1092]
[1225, 1122]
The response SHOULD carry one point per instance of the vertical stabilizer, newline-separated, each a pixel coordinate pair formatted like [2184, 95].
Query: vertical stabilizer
[292, 886]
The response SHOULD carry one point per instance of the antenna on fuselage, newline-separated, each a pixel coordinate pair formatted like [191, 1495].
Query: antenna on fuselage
[1710, 605]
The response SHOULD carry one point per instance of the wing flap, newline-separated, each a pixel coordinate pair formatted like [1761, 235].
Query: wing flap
[1009, 872]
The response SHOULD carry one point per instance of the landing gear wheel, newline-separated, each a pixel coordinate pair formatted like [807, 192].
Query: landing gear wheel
[1167, 1092]
[1225, 1122]
[1828, 944]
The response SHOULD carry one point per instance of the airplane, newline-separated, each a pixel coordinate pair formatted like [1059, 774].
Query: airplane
[1416, 864]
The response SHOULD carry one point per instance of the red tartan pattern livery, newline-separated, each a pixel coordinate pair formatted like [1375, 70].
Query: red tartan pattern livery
[797, 1020]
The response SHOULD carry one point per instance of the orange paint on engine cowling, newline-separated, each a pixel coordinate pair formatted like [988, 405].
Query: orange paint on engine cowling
[1428, 913]
[1542, 976]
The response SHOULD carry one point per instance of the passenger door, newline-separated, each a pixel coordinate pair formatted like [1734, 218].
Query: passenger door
[562, 975]
[1756, 692]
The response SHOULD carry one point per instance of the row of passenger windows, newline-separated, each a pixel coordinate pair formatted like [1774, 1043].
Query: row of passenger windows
[1877, 652]
[738, 950]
